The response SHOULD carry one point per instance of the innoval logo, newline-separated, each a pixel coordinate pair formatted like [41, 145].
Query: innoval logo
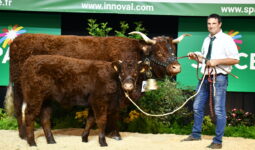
[236, 37]
[9, 34]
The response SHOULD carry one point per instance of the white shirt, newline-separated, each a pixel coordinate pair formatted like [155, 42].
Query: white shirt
[223, 47]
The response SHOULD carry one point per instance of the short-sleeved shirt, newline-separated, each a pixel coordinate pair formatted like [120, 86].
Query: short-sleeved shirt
[223, 47]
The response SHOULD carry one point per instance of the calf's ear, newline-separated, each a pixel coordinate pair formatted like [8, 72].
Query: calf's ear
[142, 70]
[144, 67]
[116, 65]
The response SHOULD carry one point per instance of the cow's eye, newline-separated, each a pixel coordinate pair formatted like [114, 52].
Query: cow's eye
[159, 53]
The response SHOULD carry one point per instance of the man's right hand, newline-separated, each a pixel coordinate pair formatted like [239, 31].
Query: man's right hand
[195, 56]
[192, 55]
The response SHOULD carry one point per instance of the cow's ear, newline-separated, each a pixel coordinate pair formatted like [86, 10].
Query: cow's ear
[146, 49]
[116, 65]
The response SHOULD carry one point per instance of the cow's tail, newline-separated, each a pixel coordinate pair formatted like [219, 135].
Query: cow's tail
[24, 106]
[8, 102]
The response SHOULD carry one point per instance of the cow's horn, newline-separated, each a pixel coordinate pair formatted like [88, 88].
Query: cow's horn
[145, 38]
[180, 38]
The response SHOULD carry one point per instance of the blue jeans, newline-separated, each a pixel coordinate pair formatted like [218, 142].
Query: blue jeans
[219, 107]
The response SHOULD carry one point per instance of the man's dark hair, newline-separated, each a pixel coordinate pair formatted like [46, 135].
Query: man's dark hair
[216, 16]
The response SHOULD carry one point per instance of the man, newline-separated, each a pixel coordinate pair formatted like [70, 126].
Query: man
[218, 49]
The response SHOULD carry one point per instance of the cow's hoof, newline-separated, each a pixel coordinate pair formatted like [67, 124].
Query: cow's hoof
[118, 138]
[85, 139]
[23, 137]
[32, 144]
[102, 142]
[114, 135]
[85, 136]
[22, 132]
[51, 142]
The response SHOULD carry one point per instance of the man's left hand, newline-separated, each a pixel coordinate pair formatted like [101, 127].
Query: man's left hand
[212, 63]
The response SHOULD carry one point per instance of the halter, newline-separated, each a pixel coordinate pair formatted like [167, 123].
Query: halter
[169, 60]
[131, 78]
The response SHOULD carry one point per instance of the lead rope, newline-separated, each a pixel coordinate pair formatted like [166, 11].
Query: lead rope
[169, 113]
[212, 91]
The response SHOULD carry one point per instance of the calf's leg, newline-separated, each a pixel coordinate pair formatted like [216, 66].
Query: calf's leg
[112, 129]
[46, 124]
[100, 112]
[89, 124]
[29, 119]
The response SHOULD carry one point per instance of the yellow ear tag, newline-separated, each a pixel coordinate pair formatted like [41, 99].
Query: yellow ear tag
[115, 67]
[142, 70]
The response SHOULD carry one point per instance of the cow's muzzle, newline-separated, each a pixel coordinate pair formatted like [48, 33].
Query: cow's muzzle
[173, 69]
[128, 84]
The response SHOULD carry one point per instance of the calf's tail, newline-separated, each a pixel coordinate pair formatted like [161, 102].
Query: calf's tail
[8, 102]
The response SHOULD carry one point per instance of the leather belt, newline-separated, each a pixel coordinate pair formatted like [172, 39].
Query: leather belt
[222, 74]
[219, 74]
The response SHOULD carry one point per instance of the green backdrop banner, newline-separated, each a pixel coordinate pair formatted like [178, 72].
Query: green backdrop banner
[153, 7]
[13, 24]
[242, 31]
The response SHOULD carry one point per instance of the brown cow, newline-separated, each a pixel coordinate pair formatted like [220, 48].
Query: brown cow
[71, 81]
[160, 51]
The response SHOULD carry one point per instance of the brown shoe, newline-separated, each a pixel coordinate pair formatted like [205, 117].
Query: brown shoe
[215, 146]
[191, 138]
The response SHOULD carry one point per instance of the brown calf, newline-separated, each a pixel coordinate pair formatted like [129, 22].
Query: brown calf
[71, 81]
